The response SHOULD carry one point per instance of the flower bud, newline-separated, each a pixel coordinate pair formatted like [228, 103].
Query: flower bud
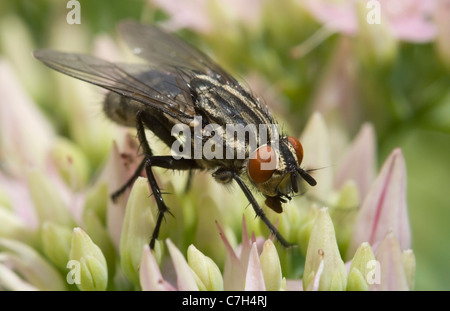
[391, 268]
[56, 243]
[271, 267]
[409, 263]
[137, 229]
[149, 274]
[361, 268]
[93, 270]
[323, 250]
[206, 273]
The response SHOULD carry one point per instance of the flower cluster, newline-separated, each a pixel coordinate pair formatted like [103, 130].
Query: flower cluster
[60, 230]
[53, 237]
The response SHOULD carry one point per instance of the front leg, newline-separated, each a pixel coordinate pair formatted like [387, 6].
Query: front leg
[228, 175]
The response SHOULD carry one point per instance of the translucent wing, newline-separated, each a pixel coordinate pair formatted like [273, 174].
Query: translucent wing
[160, 89]
[168, 51]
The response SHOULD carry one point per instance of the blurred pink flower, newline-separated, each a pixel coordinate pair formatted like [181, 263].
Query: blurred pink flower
[151, 278]
[242, 268]
[384, 209]
[408, 20]
[393, 269]
[202, 15]
[26, 144]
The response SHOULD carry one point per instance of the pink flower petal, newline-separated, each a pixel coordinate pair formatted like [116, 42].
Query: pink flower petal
[246, 245]
[186, 14]
[408, 20]
[385, 207]
[391, 271]
[185, 279]
[254, 279]
[339, 17]
[233, 271]
[149, 274]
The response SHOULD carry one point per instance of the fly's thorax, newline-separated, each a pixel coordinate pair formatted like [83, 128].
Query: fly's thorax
[225, 103]
[121, 109]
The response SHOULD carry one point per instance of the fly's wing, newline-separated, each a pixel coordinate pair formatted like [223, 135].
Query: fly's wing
[150, 86]
[168, 51]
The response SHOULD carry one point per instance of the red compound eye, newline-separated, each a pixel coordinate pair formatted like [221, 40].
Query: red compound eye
[298, 148]
[262, 164]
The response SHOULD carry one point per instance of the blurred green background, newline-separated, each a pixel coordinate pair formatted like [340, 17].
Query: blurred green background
[404, 92]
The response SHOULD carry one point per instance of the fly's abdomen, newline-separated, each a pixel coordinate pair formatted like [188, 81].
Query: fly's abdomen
[121, 109]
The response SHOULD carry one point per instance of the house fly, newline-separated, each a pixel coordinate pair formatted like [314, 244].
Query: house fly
[178, 84]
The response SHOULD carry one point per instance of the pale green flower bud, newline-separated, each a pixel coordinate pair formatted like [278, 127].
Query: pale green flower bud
[56, 243]
[323, 250]
[206, 273]
[137, 228]
[304, 233]
[48, 202]
[30, 265]
[97, 231]
[94, 217]
[356, 281]
[206, 237]
[271, 267]
[409, 263]
[89, 270]
[361, 269]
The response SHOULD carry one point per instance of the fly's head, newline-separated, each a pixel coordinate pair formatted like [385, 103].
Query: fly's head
[276, 172]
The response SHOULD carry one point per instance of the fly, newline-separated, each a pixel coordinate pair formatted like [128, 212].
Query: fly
[179, 85]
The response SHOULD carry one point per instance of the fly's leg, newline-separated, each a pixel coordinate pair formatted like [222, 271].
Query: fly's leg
[258, 210]
[165, 162]
[116, 194]
[156, 123]
[158, 161]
